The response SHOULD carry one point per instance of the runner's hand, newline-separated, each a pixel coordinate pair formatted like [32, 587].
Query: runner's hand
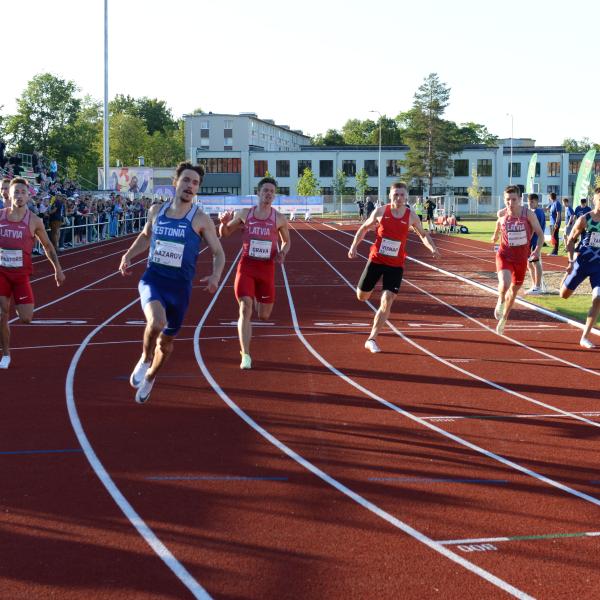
[212, 283]
[125, 266]
[59, 276]
[225, 217]
[352, 252]
[280, 257]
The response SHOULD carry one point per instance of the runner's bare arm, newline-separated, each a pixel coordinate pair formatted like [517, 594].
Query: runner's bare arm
[415, 223]
[40, 233]
[284, 236]
[370, 223]
[204, 225]
[496, 235]
[141, 242]
[230, 222]
[577, 230]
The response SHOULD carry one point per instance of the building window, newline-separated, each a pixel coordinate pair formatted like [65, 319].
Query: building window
[349, 168]
[229, 124]
[203, 124]
[371, 168]
[228, 141]
[461, 167]
[283, 191]
[484, 167]
[326, 191]
[222, 165]
[486, 191]
[538, 169]
[461, 191]
[554, 169]
[574, 167]
[555, 189]
[204, 133]
[393, 168]
[302, 165]
[227, 133]
[516, 169]
[282, 168]
[203, 144]
[227, 148]
[325, 168]
[260, 167]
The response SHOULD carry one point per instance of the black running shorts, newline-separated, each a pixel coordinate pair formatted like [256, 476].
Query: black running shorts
[392, 277]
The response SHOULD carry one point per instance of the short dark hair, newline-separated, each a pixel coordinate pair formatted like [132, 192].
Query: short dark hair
[266, 180]
[552, 195]
[398, 185]
[16, 180]
[512, 189]
[597, 190]
[183, 166]
[583, 200]
[6, 179]
[533, 196]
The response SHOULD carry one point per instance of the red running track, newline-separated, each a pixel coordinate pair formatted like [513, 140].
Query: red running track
[456, 463]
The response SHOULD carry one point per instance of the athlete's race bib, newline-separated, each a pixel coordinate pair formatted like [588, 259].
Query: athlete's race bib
[11, 258]
[517, 238]
[169, 254]
[389, 247]
[595, 239]
[260, 249]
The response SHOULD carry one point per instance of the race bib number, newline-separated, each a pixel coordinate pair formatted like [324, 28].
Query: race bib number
[260, 249]
[169, 254]
[389, 247]
[11, 258]
[517, 238]
[595, 239]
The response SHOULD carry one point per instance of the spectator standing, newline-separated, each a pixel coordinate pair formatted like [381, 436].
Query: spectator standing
[4, 200]
[429, 206]
[53, 170]
[582, 209]
[370, 206]
[555, 221]
[361, 209]
[569, 219]
[534, 264]
[56, 214]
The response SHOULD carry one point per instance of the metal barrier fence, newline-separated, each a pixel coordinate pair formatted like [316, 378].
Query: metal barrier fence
[72, 234]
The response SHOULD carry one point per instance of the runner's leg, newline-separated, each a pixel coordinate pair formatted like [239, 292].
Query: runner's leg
[245, 324]
[4, 326]
[156, 321]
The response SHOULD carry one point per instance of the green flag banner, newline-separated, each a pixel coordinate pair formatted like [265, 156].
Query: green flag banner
[583, 177]
[531, 174]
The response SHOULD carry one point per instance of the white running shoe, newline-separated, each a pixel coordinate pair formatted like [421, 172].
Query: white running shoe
[501, 325]
[5, 361]
[138, 373]
[533, 291]
[246, 361]
[583, 342]
[499, 310]
[371, 346]
[143, 392]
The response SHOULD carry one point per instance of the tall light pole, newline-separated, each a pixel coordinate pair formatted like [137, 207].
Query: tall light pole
[379, 159]
[106, 148]
[510, 170]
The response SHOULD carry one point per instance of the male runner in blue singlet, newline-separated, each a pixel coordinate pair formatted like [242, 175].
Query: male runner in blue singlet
[173, 233]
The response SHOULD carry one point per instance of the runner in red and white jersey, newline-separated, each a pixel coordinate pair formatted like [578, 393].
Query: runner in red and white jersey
[262, 227]
[18, 228]
[387, 254]
[515, 226]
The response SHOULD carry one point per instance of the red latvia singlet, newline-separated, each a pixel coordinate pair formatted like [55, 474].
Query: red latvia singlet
[390, 246]
[515, 235]
[259, 239]
[16, 244]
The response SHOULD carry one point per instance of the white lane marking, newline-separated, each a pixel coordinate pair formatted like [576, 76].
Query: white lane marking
[331, 324]
[89, 262]
[58, 322]
[143, 529]
[586, 413]
[448, 363]
[437, 325]
[330, 480]
[486, 288]
[81, 289]
[86, 248]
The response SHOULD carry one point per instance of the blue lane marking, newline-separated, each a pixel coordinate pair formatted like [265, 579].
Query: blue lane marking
[215, 478]
[41, 451]
[437, 480]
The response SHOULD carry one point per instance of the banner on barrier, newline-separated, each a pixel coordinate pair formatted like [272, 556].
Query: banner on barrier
[284, 204]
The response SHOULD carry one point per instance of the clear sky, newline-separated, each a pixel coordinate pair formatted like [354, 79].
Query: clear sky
[316, 63]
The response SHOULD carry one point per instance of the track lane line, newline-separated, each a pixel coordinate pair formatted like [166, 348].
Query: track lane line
[500, 583]
[447, 362]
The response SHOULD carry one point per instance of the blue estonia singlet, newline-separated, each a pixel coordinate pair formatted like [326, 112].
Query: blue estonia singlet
[589, 247]
[174, 246]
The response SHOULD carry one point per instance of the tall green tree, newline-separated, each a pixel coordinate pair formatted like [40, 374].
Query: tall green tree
[339, 183]
[331, 138]
[475, 191]
[308, 184]
[165, 149]
[46, 111]
[474, 133]
[430, 138]
[357, 132]
[573, 145]
[362, 183]
[155, 113]
[128, 139]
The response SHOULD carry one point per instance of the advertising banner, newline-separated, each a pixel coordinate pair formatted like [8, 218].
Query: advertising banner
[531, 174]
[583, 177]
[135, 180]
